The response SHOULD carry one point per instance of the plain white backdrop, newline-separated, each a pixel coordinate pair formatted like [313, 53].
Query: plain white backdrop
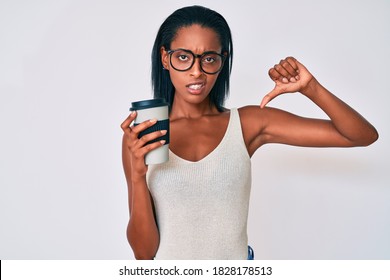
[70, 69]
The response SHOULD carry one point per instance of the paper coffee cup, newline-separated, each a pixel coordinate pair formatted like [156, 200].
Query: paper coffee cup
[154, 109]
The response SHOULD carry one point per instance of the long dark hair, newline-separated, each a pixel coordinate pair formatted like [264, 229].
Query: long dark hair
[184, 17]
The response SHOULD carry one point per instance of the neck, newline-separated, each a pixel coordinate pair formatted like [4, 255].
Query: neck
[187, 110]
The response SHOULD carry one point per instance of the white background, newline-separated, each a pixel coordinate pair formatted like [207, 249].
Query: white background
[69, 70]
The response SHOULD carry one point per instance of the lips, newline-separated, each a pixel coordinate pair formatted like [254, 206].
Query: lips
[196, 87]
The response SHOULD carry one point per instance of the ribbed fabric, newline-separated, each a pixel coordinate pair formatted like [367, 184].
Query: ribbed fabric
[202, 207]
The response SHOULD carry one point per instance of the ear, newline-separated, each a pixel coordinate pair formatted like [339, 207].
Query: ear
[164, 58]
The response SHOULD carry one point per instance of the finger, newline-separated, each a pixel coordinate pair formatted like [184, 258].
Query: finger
[293, 62]
[144, 125]
[284, 75]
[127, 122]
[291, 67]
[295, 65]
[268, 97]
[150, 147]
[286, 71]
[149, 137]
[274, 75]
[280, 74]
[284, 68]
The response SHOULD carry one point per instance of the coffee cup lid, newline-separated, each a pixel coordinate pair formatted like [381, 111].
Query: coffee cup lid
[146, 104]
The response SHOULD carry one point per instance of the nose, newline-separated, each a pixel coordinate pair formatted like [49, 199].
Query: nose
[196, 71]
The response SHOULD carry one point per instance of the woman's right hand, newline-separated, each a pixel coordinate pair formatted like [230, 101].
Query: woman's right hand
[134, 149]
[142, 231]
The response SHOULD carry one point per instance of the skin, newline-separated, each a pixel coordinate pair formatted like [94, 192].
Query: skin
[192, 114]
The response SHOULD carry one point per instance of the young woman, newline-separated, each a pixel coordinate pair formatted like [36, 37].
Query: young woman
[195, 206]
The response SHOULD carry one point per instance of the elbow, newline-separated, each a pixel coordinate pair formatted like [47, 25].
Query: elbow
[369, 139]
[141, 252]
[374, 135]
[143, 256]
[143, 249]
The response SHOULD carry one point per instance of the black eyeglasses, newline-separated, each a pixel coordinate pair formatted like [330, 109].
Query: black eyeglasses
[210, 62]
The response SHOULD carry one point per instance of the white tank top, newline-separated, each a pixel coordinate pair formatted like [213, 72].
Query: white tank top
[202, 207]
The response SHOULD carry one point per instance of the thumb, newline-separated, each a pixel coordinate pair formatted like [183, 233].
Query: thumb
[269, 96]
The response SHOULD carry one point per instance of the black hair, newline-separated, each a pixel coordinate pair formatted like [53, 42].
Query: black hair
[184, 17]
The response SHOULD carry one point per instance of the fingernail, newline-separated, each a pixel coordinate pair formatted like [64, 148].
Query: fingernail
[163, 132]
[293, 80]
[133, 113]
[297, 77]
[284, 80]
[162, 142]
[153, 120]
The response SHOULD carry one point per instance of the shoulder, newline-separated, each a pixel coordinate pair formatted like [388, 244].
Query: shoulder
[255, 123]
[252, 120]
[253, 114]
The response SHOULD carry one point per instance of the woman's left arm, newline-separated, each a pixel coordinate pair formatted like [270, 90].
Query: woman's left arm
[346, 127]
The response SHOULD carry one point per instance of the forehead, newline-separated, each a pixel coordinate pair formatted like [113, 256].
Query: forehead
[197, 39]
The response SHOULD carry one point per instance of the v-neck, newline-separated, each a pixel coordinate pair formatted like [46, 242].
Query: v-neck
[212, 151]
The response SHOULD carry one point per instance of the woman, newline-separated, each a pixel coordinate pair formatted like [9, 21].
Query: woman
[196, 205]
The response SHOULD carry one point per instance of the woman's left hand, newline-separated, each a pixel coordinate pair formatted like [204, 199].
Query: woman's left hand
[289, 76]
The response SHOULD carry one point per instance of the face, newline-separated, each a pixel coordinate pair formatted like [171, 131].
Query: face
[193, 85]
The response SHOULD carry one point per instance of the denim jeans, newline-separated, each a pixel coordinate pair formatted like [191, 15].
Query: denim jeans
[251, 253]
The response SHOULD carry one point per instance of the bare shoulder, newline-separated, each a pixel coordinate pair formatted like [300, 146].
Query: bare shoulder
[253, 120]
[247, 111]
[253, 116]
[258, 124]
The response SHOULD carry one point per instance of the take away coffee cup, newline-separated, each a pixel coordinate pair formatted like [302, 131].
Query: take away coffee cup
[154, 109]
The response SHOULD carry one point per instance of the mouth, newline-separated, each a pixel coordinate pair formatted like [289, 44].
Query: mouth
[196, 87]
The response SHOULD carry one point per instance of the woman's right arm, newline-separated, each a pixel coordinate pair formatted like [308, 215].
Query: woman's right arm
[142, 231]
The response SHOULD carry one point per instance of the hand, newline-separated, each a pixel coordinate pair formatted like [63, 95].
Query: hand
[135, 149]
[289, 76]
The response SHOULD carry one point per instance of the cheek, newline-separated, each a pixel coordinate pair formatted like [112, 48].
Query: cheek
[176, 79]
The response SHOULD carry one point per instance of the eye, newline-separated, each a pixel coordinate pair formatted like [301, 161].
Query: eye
[209, 59]
[182, 57]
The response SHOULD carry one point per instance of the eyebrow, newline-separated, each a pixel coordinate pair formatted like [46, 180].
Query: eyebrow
[209, 51]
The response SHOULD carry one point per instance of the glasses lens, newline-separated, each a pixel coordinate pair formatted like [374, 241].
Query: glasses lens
[211, 62]
[182, 60]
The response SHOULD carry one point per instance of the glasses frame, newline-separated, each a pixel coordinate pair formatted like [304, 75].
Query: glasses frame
[223, 57]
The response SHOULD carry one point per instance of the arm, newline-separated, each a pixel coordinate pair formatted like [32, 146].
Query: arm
[142, 231]
[345, 127]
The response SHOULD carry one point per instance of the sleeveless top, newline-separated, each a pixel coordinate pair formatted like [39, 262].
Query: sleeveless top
[202, 207]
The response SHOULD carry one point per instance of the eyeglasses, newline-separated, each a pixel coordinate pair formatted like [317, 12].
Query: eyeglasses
[210, 62]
